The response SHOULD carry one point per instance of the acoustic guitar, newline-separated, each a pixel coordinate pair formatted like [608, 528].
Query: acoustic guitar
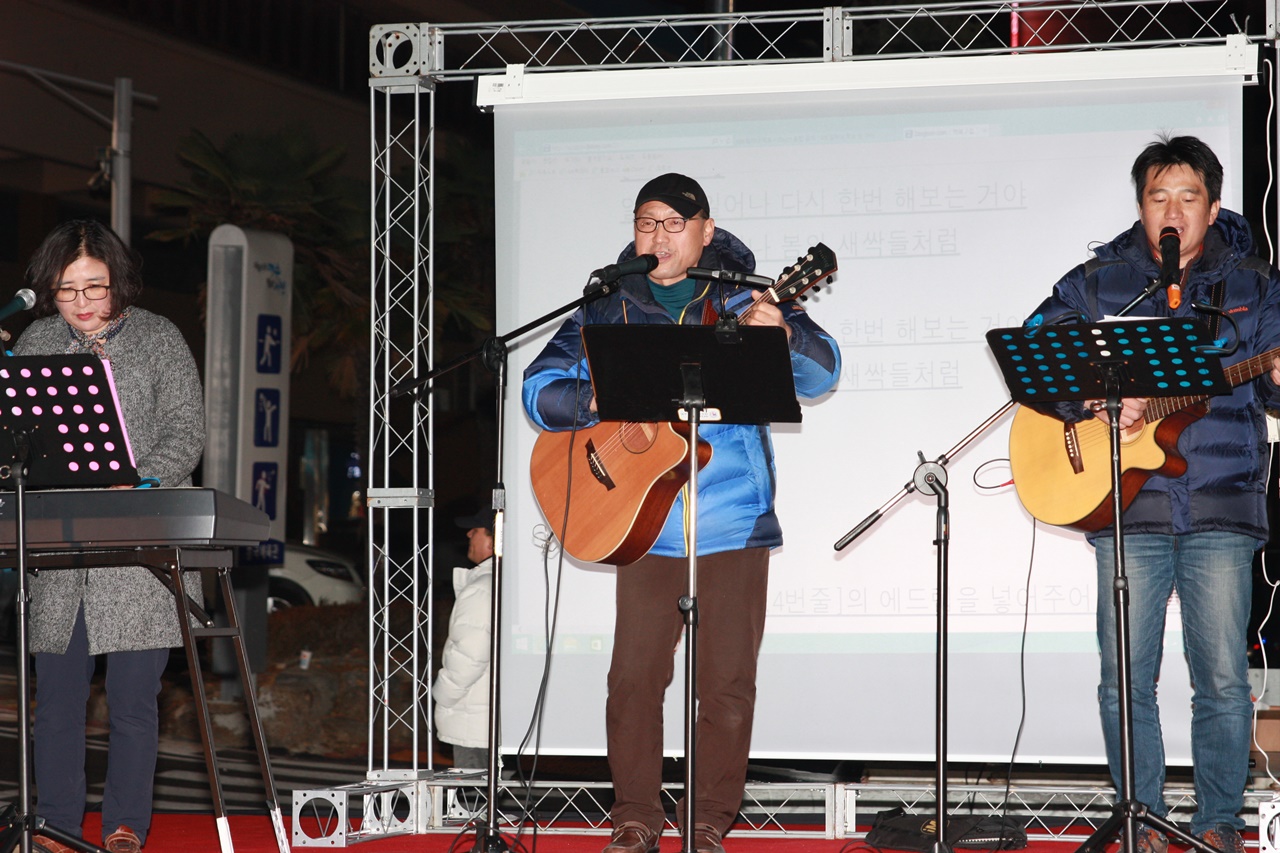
[1062, 471]
[606, 490]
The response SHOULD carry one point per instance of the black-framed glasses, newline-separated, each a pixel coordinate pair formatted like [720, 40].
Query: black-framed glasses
[674, 225]
[94, 292]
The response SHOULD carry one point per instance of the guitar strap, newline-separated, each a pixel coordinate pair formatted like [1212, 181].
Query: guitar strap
[1218, 293]
[1091, 268]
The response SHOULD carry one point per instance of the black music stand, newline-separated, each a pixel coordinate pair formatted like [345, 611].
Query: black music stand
[60, 426]
[739, 375]
[1160, 357]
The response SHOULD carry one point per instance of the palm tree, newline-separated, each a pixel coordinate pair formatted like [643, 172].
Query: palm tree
[283, 182]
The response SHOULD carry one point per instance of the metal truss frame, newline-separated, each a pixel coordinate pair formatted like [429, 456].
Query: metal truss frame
[446, 803]
[407, 62]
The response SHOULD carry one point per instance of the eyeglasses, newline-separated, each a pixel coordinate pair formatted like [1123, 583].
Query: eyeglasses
[93, 292]
[674, 225]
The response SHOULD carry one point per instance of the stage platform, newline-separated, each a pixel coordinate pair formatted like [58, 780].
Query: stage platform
[195, 833]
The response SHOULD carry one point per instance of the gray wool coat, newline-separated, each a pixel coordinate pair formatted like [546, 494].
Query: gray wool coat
[126, 608]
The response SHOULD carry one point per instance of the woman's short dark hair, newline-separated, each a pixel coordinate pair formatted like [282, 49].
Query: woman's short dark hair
[1179, 151]
[84, 238]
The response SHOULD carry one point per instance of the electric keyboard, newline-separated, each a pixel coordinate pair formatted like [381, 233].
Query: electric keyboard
[92, 519]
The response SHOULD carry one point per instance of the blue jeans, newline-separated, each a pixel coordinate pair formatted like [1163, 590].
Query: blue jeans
[1212, 574]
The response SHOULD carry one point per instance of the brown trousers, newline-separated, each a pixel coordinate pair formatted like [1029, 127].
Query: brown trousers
[732, 591]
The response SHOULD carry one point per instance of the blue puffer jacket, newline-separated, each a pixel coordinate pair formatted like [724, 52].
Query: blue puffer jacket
[736, 488]
[1224, 485]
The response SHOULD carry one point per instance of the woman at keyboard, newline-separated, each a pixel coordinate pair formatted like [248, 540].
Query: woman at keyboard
[86, 283]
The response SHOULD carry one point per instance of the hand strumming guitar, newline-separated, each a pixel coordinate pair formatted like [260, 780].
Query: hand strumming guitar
[1132, 410]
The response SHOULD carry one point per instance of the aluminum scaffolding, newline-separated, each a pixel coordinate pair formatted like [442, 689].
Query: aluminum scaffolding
[407, 62]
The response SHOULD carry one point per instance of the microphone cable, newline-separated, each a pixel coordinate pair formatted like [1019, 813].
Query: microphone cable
[1262, 643]
[551, 618]
[1271, 177]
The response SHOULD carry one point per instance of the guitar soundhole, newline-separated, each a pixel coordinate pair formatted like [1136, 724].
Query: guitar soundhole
[637, 438]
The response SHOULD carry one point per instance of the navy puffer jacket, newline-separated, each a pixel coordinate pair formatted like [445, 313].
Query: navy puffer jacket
[1223, 488]
[736, 488]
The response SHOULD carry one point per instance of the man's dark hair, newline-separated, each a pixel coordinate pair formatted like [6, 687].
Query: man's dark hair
[84, 238]
[1169, 151]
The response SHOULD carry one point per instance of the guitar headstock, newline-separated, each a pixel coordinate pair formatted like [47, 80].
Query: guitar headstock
[808, 271]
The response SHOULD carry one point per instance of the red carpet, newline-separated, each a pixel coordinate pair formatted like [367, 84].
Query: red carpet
[191, 833]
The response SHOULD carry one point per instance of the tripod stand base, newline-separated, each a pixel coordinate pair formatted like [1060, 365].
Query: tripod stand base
[15, 827]
[1127, 810]
[490, 841]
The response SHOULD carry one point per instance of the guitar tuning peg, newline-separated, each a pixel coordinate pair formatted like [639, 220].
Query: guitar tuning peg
[816, 288]
[829, 279]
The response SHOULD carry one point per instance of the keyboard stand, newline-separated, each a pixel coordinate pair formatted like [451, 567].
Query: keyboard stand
[168, 564]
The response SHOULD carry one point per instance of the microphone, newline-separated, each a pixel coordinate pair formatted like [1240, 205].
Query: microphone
[23, 300]
[730, 276]
[611, 273]
[1170, 265]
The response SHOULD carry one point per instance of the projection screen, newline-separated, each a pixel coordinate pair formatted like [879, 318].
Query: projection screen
[952, 210]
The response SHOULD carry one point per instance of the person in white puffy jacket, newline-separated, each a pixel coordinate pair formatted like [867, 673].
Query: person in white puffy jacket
[461, 690]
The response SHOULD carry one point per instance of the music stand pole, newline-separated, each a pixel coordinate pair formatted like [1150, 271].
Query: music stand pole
[22, 822]
[681, 361]
[1127, 811]
[693, 402]
[23, 812]
[1114, 359]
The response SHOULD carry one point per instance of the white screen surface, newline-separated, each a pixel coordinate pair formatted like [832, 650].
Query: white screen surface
[951, 212]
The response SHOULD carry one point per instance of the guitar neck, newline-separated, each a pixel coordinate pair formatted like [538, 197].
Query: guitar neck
[808, 271]
[1236, 374]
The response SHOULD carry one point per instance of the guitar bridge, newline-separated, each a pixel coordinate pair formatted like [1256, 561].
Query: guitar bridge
[596, 464]
[1071, 441]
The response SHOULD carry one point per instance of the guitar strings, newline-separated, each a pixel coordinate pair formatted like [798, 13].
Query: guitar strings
[1092, 433]
[628, 430]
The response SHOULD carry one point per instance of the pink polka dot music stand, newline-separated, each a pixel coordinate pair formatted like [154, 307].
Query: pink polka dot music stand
[67, 408]
[60, 426]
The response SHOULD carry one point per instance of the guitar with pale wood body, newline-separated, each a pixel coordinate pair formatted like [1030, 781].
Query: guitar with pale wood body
[1062, 471]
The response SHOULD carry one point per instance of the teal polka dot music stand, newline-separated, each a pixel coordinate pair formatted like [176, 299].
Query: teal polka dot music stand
[1154, 357]
[1162, 357]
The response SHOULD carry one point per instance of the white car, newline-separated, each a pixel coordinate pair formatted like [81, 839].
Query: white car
[312, 576]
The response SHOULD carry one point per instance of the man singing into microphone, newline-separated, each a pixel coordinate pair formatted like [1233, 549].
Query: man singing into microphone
[736, 523]
[1196, 533]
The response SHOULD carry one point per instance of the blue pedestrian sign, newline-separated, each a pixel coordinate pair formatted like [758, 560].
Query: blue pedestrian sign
[270, 348]
[266, 417]
[263, 488]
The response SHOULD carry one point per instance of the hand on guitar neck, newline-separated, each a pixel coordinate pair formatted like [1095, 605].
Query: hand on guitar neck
[1133, 409]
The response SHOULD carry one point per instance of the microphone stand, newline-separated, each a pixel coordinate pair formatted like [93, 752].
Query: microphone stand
[931, 478]
[493, 354]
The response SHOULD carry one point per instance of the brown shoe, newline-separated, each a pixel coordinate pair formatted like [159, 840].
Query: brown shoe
[632, 837]
[123, 840]
[45, 844]
[706, 839]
